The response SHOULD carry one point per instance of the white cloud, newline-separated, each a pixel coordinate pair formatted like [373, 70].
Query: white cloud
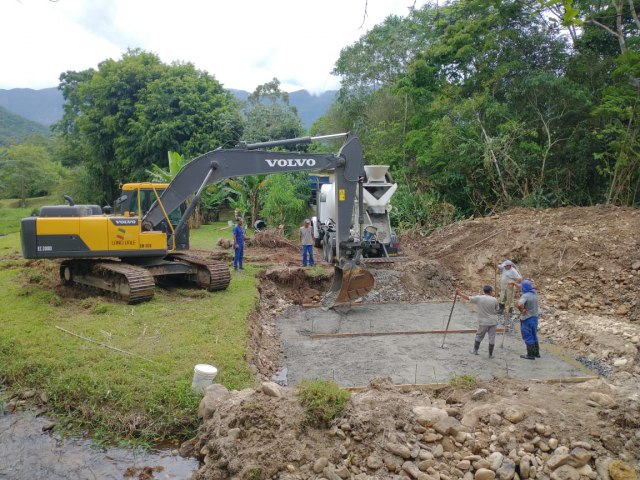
[244, 43]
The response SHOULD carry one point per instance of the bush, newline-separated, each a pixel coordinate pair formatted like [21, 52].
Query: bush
[323, 400]
[463, 381]
[420, 211]
[285, 201]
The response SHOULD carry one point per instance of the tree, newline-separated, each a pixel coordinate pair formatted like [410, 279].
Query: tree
[381, 56]
[269, 115]
[26, 171]
[619, 18]
[121, 118]
[286, 200]
[246, 194]
[620, 114]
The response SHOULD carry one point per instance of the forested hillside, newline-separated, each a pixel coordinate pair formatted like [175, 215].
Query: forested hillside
[45, 106]
[14, 128]
[42, 106]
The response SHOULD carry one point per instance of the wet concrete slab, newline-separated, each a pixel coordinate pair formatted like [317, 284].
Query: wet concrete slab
[319, 344]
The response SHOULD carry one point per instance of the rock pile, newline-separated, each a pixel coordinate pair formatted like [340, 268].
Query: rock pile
[441, 435]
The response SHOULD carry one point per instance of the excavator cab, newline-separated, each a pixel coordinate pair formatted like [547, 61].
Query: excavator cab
[136, 200]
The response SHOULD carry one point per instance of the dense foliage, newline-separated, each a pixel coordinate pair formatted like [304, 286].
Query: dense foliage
[479, 105]
[27, 170]
[127, 114]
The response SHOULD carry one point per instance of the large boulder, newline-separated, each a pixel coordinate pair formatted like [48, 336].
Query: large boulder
[428, 416]
[214, 395]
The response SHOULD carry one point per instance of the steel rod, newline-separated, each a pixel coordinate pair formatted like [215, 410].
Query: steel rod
[455, 297]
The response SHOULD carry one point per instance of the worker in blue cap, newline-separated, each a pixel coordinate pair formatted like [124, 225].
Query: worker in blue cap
[528, 306]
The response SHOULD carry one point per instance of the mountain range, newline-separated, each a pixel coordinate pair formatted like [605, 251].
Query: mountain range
[44, 107]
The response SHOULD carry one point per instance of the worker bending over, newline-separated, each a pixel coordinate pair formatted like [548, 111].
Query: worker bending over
[508, 277]
[487, 317]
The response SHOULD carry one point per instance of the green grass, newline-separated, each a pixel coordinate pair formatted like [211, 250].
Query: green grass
[10, 219]
[143, 397]
[464, 381]
[316, 272]
[10, 244]
[207, 236]
[11, 213]
[32, 203]
[323, 401]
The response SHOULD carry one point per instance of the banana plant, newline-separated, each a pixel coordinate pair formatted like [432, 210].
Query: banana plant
[246, 195]
[162, 175]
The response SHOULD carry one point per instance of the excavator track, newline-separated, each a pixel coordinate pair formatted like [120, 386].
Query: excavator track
[127, 282]
[213, 275]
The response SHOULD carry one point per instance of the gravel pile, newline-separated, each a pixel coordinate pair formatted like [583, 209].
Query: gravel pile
[596, 365]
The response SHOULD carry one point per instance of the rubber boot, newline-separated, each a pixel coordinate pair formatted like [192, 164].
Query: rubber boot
[491, 350]
[530, 353]
[536, 350]
[476, 346]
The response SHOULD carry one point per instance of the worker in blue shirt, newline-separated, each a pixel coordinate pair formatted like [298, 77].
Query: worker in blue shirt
[238, 244]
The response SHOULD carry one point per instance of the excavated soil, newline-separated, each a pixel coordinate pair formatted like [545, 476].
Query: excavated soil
[585, 264]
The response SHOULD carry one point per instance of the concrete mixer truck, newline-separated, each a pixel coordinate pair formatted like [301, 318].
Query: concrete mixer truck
[379, 238]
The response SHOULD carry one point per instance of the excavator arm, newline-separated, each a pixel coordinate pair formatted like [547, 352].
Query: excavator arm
[250, 160]
[351, 281]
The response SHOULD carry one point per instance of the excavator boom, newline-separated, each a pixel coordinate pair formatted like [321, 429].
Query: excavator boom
[351, 281]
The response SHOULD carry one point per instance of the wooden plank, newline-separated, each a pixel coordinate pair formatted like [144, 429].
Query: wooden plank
[320, 336]
[407, 387]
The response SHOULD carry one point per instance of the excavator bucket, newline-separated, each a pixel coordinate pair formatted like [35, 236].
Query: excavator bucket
[350, 282]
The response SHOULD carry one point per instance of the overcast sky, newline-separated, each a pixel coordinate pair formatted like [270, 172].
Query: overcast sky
[243, 43]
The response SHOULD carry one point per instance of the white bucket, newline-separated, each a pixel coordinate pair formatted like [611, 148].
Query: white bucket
[203, 376]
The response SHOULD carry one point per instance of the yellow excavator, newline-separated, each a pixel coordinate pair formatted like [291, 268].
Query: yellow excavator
[146, 238]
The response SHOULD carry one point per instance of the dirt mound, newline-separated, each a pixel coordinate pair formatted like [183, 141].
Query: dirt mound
[272, 238]
[440, 433]
[584, 262]
[582, 258]
[296, 284]
[414, 281]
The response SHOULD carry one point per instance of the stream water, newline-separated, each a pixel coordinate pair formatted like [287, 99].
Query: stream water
[29, 453]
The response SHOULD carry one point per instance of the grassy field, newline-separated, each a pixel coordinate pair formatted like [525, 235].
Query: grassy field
[143, 395]
[10, 213]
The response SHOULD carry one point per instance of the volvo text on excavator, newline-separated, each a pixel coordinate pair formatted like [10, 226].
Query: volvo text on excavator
[147, 236]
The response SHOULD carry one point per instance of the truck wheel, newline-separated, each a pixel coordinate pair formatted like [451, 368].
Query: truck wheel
[327, 248]
[317, 242]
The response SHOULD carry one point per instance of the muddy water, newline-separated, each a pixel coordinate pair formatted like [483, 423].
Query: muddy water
[28, 453]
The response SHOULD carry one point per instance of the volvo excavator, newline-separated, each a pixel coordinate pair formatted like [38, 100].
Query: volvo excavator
[147, 237]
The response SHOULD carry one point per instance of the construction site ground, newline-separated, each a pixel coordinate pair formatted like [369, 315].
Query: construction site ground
[420, 409]
[407, 343]
[585, 265]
